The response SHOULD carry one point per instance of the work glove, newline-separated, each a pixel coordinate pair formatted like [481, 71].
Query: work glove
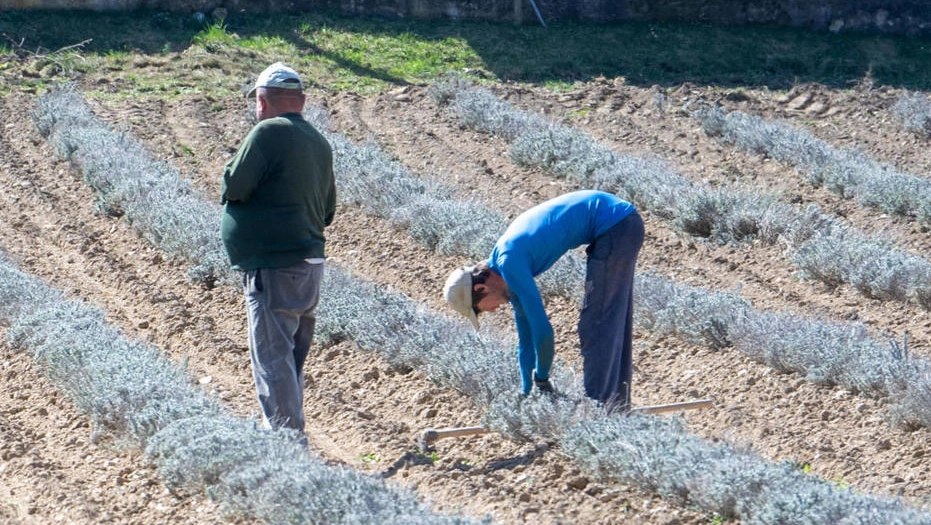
[543, 385]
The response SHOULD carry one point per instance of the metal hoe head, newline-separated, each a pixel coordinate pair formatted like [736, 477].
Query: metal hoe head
[428, 437]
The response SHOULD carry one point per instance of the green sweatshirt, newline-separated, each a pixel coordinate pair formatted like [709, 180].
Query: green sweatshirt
[279, 193]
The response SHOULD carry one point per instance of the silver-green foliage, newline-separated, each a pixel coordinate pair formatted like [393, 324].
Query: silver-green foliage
[913, 111]
[488, 374]
[373, 317]
[715, 319]
[848, 173]
[822, 351]
[481, 110]
[270, 475]
[728, 215]
[381, 186]
[443, 90]
[132, 183]
[732, 214]
[566, 278]
[449, 226]
[196, 452]
[125, 387]
[295, 493]
[565, 153]
[719, 319]
[725, 214]
[542, 416]
[568, 153]
[872, 266]
[911, 388]
[133, 394]
[656, 453]
[369, 179]
[474, 364]
[410, 336]
[698, 316]
[137, 397]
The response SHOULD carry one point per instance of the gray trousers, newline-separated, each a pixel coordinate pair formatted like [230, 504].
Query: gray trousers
[280, 305]
[605, 324]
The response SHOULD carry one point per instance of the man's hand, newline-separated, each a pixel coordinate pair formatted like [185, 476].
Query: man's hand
[543, 385]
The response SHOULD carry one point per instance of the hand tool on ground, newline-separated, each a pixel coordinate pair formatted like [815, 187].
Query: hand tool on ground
[428, 437]
[671, 407]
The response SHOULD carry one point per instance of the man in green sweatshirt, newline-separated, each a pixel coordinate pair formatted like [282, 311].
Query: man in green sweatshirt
[279, 194]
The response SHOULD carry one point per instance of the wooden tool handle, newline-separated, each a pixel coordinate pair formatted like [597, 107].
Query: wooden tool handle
[458, 432]
[430, 435]
[672, 407]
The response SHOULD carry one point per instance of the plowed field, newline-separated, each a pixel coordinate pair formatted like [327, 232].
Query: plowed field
[363, 413]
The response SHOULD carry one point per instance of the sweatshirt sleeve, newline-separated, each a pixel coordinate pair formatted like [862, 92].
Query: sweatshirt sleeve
[534, 331]
[244, 171]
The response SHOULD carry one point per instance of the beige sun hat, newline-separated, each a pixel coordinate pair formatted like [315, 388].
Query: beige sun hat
[458, 293]
[277, 75]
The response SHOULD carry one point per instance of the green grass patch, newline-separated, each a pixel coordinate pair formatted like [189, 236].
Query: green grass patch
[367, 54]
[215, 38]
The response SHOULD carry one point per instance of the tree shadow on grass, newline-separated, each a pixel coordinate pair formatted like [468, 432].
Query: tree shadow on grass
[663, 54]
[645, 54]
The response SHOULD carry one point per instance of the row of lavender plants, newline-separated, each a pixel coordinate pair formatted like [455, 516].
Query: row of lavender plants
[655, 453]
[137, 398]
[824, 248]
[847, 172]
[824, 352]
[913, 112]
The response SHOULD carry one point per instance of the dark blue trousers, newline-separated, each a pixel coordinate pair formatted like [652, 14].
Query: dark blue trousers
[605, 324]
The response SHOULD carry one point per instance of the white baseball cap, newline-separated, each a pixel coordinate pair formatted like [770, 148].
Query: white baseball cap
[458, 293]
[277, 75]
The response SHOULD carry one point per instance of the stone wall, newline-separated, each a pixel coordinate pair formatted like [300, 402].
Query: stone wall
[891, 16]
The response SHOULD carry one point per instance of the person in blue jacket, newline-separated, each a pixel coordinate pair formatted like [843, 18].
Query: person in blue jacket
[613, 231]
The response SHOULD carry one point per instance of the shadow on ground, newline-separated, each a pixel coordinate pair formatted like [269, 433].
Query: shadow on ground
[643, 53]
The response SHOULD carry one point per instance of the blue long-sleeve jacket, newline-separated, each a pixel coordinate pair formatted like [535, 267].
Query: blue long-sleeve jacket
[532, 243]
